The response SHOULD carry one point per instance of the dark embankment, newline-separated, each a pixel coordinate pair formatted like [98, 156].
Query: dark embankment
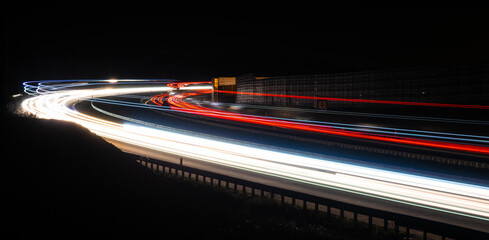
[60, 181]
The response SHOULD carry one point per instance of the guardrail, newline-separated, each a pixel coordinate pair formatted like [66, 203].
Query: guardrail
[411, 226]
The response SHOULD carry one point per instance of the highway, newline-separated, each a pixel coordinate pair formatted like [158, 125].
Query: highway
[119, 111]
[377, 134]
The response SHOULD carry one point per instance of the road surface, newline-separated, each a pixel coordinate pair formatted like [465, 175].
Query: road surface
[85, 102]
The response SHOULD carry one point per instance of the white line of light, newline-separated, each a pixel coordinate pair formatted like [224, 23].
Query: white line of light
[458, 198]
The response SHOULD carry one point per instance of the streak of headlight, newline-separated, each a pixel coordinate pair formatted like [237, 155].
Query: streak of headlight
[448, 196]
[48, 86]
[425, 191]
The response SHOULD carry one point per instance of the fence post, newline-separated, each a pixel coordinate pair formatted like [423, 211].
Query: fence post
[155, 165]
[370, 221]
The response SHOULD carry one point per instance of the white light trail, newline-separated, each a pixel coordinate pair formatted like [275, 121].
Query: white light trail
[442, 195]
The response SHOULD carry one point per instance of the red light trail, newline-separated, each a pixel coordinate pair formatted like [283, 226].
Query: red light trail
[468, 203]
[446, 105]
[176, 102]
[184, 84]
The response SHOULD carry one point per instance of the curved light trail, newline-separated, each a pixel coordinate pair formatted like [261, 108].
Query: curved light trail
[425, 104]
[55, 100]
[177, 103]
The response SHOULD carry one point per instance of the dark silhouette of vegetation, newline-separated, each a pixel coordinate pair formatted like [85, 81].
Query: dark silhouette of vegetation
[60, 180]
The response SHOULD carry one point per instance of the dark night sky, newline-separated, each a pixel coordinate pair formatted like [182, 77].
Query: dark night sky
[93, 41]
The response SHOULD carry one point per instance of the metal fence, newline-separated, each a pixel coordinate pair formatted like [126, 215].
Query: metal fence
[413, 227]
[438, 84]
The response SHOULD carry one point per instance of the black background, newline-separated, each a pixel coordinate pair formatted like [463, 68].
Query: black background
[51, 41]
[94, 41]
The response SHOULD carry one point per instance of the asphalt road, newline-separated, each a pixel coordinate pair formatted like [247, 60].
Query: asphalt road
[278, 157]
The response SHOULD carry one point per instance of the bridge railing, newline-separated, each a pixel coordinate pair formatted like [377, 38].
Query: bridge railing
[412, 226]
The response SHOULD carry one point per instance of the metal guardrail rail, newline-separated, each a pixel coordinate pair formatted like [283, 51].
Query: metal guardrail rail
[411, 226]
